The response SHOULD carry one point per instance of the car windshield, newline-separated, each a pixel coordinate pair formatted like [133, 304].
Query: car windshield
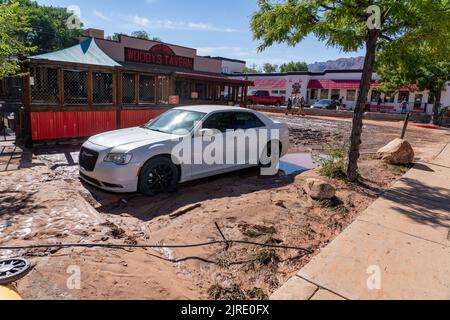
[178, 122]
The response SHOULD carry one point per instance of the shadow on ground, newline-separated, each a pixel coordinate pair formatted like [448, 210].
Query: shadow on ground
[14, 157]
[422, 202]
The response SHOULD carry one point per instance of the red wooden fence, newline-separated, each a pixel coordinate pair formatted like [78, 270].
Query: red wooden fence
[83, 124]
[60, 125]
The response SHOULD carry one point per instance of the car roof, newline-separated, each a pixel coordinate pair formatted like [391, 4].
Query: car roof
[211, 108]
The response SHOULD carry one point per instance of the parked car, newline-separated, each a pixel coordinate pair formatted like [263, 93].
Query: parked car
[141, 158]
[263, 97]
[325, 104]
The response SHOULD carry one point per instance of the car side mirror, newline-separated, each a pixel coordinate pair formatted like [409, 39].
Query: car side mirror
[206, 132]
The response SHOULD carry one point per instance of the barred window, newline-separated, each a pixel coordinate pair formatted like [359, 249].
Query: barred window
[128, 88]
[75, 87]
[147, 89]
[335, 94]
[102, 88]
[44, 85]
[351, 95]
[324, 93]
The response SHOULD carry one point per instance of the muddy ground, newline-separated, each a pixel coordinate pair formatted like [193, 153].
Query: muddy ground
[42, 201]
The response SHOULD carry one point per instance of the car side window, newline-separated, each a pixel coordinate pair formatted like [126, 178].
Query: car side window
[245, 121]
[219, 121]
[265, 93]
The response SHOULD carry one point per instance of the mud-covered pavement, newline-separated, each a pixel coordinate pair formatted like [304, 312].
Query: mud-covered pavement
[43, 202]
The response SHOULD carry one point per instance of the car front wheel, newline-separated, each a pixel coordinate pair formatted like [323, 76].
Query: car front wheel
[159, 175]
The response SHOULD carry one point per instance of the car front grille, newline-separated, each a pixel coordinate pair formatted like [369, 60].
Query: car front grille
[88, 159]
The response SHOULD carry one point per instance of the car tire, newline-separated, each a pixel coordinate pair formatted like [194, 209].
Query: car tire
[249, 102]
[278, 104]
[159, 175]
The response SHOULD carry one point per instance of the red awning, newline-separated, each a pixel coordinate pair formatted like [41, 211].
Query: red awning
[337, 84]
[347, 84]
[212, 78]
[270, 84]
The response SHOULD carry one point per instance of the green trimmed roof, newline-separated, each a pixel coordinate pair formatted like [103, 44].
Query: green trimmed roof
[87, 52]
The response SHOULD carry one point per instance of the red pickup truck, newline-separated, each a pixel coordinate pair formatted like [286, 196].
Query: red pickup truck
[264, 97]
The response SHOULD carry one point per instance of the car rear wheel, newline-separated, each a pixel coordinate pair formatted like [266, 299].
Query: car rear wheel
[159, 175]
[278, 103]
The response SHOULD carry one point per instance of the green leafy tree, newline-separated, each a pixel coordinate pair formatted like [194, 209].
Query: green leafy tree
[141, 35]
[251, 69]
[13, 24]
[137, 34]
[270, 68]
[348, 25]
[49, 26]
[114, 37]
[425, 63]
[294, 66]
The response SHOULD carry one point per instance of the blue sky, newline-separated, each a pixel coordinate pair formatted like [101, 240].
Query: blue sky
[214, 27]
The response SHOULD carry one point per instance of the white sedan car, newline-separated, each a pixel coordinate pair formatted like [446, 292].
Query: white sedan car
[178, 146]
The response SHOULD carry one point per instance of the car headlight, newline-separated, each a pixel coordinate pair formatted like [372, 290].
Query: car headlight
[119, 158]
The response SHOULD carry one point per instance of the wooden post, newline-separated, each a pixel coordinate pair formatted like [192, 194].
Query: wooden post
[117, 96]
[136, 86]
[90, 88]
[25, 119]
[61, 87]
[405, 125]
[116, 88]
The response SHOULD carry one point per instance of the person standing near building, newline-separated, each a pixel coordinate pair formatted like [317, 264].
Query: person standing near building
[289, 106]
[404, 106]
[340, 104]
[302, 106]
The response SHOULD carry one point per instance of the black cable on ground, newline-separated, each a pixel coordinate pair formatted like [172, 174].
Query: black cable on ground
[143, 246]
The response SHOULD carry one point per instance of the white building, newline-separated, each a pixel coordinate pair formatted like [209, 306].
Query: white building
[230, 66]
[344, 83]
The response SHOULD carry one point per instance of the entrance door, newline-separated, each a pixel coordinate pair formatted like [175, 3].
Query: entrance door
[418, 102]
[163, 89]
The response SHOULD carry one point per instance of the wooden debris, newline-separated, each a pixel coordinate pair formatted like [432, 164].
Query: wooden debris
[184, 210]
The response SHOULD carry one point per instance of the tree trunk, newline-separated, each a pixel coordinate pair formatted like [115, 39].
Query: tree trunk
[436, 106]
[355, 139]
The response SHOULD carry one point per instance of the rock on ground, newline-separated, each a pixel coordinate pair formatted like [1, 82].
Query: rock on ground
[397, 152]
[319, 190]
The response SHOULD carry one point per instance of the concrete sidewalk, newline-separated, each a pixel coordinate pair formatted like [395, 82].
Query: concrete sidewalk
[399, 248]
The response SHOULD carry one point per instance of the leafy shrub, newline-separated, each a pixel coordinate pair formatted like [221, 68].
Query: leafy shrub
[333, 161]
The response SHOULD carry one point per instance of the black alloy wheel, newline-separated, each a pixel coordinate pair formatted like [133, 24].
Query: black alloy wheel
[159, 175]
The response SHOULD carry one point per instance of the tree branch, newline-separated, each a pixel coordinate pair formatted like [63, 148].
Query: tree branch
[385, 37]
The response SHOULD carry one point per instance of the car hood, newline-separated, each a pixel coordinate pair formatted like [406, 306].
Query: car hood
[124, 137]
